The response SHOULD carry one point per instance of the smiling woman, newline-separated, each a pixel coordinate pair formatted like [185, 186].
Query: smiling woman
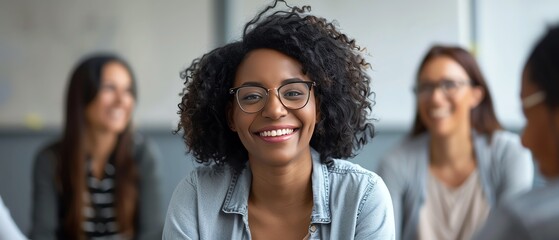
[294, 93]
[458, 162]
[100, 179]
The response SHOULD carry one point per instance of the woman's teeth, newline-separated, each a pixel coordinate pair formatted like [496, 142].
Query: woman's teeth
[116, 113]
[440, 112]
[276, 133]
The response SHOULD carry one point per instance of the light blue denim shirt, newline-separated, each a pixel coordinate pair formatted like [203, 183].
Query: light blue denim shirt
[350, 202]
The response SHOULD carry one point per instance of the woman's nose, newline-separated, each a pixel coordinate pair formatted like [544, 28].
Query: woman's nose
[273, 108]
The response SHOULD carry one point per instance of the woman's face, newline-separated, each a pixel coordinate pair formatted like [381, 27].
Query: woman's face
[445, 97]
[541, 133]
[111, 109]
[275, 135]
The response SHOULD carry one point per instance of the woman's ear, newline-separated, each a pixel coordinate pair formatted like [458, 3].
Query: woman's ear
[478, 93]
[230, 121]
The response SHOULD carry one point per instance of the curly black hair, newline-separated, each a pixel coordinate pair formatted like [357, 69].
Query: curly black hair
[328, 57]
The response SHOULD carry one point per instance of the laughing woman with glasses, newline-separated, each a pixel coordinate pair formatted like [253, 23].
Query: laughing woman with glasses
[100, 180]
[458, 162]
[271, 115]
[535, 215]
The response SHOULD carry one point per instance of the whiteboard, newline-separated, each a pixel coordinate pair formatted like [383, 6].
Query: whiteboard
[41, 40]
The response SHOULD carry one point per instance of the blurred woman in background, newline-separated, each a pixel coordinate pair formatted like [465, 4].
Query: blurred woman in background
[100, 179]
[535, 215]
[458, 162]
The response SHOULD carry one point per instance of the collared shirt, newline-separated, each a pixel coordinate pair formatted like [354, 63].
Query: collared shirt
[349, 202]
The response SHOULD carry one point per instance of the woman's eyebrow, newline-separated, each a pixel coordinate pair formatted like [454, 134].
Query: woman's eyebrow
[259, 84]
[290, 80]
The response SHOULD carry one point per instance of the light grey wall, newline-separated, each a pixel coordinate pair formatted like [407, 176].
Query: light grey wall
[506, 33]
[395, 34]
[40, 41]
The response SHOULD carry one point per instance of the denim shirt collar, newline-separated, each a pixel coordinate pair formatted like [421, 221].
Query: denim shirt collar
[236, 199]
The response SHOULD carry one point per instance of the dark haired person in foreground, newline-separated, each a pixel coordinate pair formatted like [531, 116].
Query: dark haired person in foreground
[271, 114]
[535, 215]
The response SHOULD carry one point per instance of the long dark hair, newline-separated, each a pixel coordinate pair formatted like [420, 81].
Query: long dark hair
[482, 117]
[83, 87]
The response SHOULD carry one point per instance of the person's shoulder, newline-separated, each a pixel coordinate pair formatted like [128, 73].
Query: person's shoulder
[538, 203]
[49, 152]
[504, 147]
[502, 139]
[407, 151]
[46, 159]
[536, 210]
[355, 182]
[210, 175]
[52, 147]
[142, 143]
[344, 167]
[145, 150]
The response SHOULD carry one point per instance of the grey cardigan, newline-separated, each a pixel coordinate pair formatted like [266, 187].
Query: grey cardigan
[534, 215]
[505, 169]
[46, 202]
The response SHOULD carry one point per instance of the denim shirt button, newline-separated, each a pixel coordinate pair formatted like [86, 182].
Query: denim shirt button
[312, 228]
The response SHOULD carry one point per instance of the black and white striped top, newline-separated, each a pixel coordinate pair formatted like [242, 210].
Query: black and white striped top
[99, 212]
[49, 204]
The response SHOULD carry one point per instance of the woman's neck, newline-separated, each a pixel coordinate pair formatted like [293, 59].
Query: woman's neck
[99, 146]
[282, 187]
[451, 149]
[281, 199]
[452, 158]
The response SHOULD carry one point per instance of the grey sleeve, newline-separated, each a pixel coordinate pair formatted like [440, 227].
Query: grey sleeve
[390, 174]
[150, 215]
[517, 168]
[502, 224]
[44, 204]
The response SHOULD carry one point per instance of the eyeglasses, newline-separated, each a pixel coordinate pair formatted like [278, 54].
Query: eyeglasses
[449, 88]
[533, 100]
[293, 95]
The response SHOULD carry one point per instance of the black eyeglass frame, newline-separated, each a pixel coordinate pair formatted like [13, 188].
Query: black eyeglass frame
[432, 87]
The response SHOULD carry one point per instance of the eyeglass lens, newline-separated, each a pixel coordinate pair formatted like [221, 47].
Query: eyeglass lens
[448, 87]
[292, 95]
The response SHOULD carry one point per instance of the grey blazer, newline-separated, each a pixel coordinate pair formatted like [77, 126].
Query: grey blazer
[504, 165]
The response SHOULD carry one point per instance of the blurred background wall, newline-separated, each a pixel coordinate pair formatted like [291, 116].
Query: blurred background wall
[40, 41]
